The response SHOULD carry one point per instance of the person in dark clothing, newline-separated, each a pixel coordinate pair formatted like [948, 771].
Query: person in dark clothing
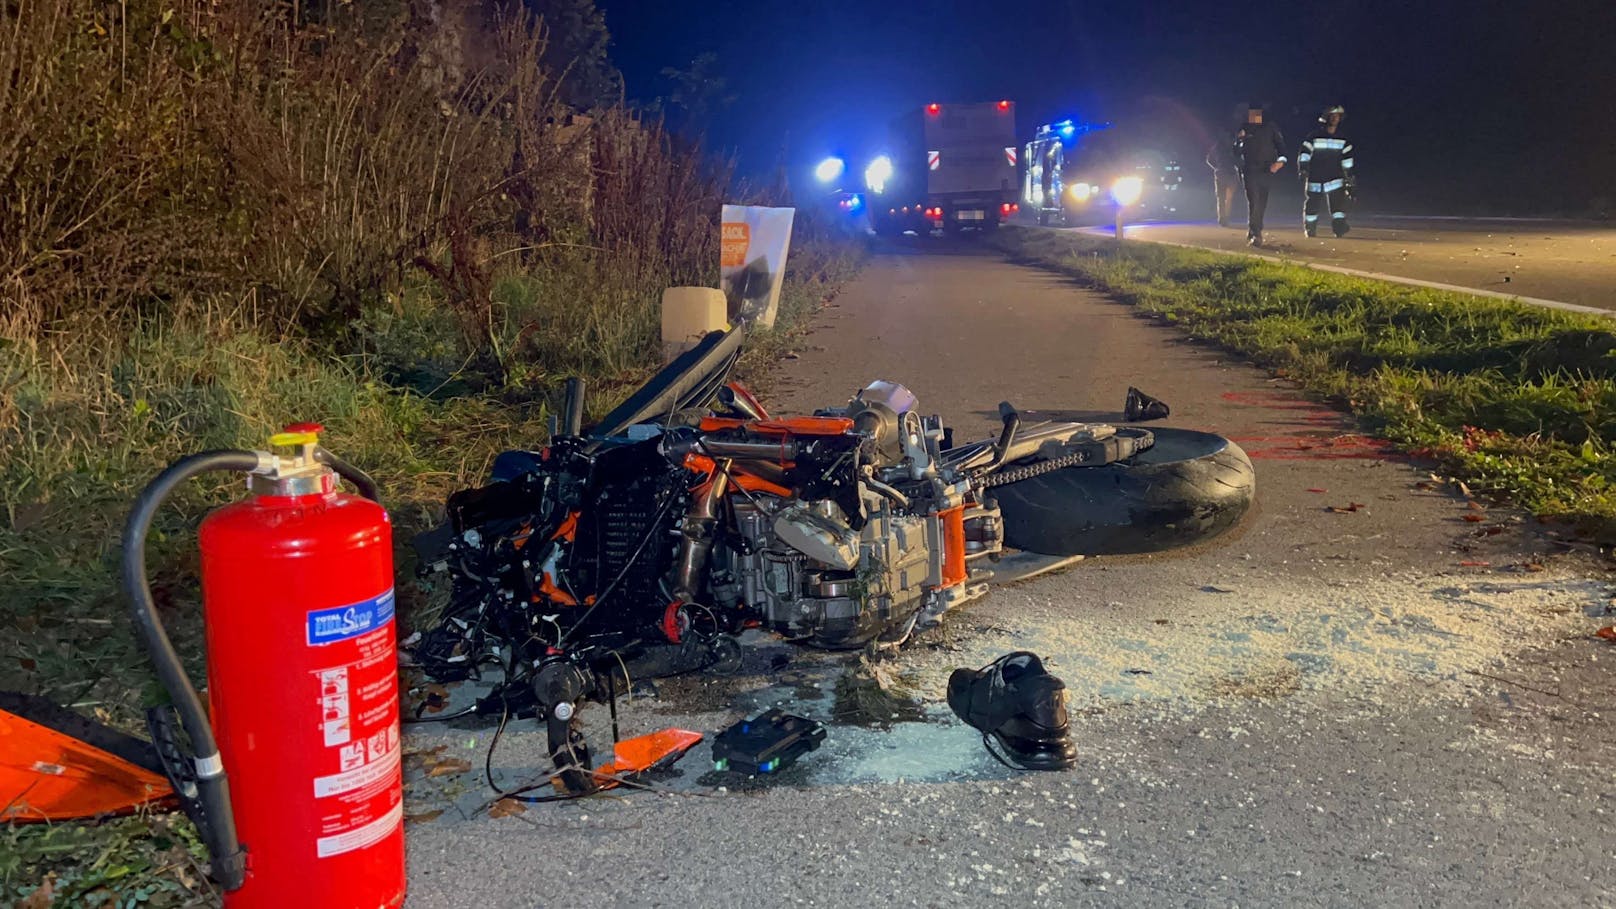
[1326, 163]
[1260, 150]
[1225, 178]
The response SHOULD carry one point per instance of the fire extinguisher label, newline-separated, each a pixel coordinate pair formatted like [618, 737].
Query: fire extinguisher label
[354, 682]
[363, 776]
[373, 832]
[339, 623]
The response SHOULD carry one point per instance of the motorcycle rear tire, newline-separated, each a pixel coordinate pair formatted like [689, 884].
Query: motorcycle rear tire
[1186, 488]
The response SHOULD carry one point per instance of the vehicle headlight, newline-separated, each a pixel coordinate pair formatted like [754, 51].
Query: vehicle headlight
[829, 169]
[878, 173]
[1127, 190]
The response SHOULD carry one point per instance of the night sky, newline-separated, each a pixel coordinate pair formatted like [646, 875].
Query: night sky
[1463, 106]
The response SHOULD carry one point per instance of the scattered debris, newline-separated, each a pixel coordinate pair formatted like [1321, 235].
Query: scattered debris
[1475, 563]
[1209, 589]
[871, 695]
[1317, 489]
[506, 808]
[1351, 507]
[1608, 633]
[768, 743]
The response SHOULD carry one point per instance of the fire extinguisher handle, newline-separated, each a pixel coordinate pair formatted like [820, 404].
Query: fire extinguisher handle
[213, 790]
[361, 480]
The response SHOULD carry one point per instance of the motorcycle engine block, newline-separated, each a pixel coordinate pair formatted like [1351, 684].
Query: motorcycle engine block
[815, 579]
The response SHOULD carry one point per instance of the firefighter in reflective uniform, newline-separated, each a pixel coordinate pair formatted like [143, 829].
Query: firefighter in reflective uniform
[1327, 175]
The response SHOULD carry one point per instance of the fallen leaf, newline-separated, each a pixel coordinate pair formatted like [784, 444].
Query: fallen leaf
[1532, 566]
[1608, 633]
[1424, 484]
[1351, 507]
[27, 664]
[1464, 490]
[1476, 507]
[1164, 622]
[42, 897]
[448, 766]
[790, 355]
[1316, 489]
[506, 808]
[1474, 518]
[1477, 563]
[427, 756]
[421, 817]
[1213, 589]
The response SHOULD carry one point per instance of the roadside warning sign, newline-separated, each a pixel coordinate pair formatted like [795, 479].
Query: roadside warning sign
[735, 238]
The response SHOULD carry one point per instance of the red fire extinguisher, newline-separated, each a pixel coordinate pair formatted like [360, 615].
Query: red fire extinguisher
[295, 783]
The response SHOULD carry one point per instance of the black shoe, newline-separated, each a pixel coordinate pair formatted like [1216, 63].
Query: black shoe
[1254, 239]
[1310, 231]
[1020, 706]
[1341, 229]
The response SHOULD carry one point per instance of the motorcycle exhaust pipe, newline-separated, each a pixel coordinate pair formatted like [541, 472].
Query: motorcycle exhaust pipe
[698, 535]
[748, 451]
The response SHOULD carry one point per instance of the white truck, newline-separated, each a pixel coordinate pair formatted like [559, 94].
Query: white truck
[948, 166]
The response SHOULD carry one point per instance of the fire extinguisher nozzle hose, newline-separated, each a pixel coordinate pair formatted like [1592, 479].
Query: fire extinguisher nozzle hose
[229, 867]
[361, 480]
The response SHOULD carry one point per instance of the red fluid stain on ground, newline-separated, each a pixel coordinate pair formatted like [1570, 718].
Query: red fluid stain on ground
[1319, 438]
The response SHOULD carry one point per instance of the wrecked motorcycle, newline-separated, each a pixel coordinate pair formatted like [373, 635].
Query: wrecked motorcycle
[642, 546]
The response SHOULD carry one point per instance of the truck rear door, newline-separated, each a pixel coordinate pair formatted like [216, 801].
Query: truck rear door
[971, 150]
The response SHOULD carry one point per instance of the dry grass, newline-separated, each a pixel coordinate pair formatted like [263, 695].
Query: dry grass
[216, 218]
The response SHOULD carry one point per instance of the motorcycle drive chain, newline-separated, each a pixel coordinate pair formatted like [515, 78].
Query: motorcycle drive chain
[1107, 451]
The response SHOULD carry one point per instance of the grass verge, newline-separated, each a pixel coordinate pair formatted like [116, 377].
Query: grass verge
[1519, 401]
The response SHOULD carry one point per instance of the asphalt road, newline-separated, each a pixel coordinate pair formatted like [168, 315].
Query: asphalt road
[1371, 693]
[1571, 262]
